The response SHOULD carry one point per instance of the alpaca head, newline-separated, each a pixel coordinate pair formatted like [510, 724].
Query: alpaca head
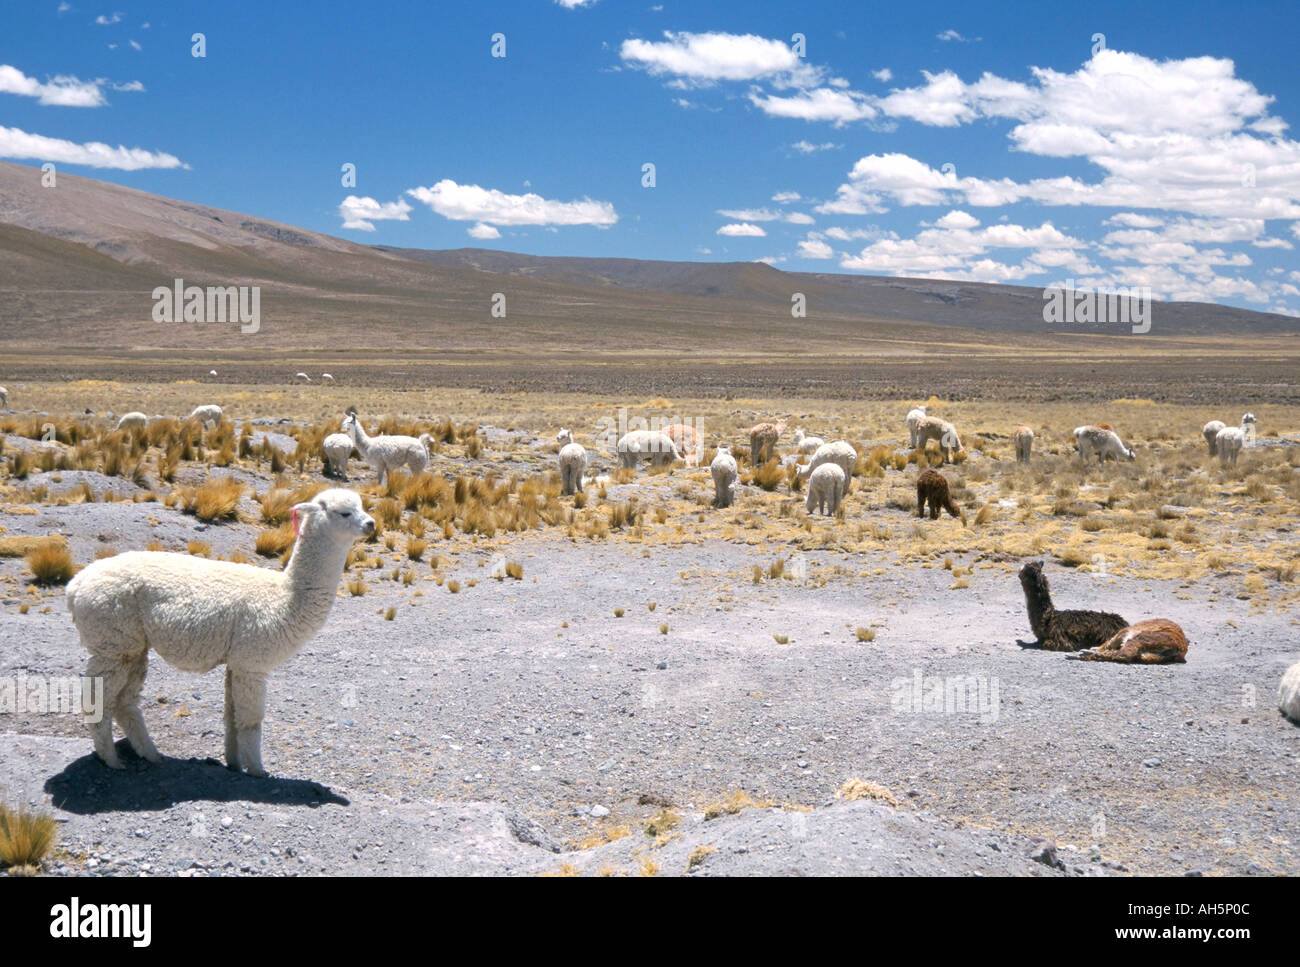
[1034, 582]
[1129, 454]
[798, 436]
[1248, 418]
[564, 436]
[336, 515]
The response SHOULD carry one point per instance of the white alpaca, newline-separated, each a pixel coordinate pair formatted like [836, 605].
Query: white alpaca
[1288, 693]
[932, 428]
[132, 420]
[1210, 431]
[302, 376]
[826, 485]
[212, 372]
[327, 376]
[806, 444]
[637, 443]
[1229, 441]
[1024, 441]
[914, 416]
[387, 453]
[725, 475]
[207, 415]
[1105, 443]
[4, 398]
[337, 448]
[839, 453]
[573, 463]
[198, 613]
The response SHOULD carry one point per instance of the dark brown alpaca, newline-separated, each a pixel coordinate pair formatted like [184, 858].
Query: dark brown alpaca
[1062, 630]
[1156, 641]
[932, 489]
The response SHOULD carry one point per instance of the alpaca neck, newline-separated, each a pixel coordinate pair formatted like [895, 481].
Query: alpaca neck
[313, 572]
[1039, 602]
[359, 437]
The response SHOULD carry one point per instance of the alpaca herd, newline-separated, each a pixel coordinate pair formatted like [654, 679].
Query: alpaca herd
[198, 613]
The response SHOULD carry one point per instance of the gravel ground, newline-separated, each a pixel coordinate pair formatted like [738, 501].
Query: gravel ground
[480, 732]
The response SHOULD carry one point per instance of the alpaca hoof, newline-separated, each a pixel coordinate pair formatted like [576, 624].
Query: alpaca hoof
[113, 762]
[256, 772]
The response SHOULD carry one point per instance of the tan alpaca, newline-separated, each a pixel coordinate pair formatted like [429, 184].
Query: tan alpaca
[762, 441]
[932, 428]
[1024, 441]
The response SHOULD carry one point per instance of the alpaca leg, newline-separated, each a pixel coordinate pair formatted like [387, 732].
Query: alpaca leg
[920, 501]
[113, 675]
[248, 694]
[232, 747]
[128, 714]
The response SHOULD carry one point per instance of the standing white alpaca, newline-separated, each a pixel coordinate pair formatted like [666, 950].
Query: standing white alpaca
[1288, 693]
[914, 416]
[1229, 441]
[209, 415]
[198, 613]
[636, 443]
[130, 421]
[725, 474]
[806, 444]
[1211, 431]
[840, 453]
[825, 489]
[337, 448]
[1103, 442]
[4, 398]
[386, 453]
[573, 463]
[1023, 438]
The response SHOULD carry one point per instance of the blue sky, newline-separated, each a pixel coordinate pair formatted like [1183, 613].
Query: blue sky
[995, 143]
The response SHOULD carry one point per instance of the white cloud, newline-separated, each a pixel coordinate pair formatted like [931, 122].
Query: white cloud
[820, 104]
[470, 203]
[575, 4]
[799, 218]
[61, 90]
[135, 45]
[104, 20]
[64, 7]
[20, 144]
[480, 230]
[785, 197]
[815, 249]
[709, 57]
[771, 259]
[742, 230]
[1272, 243]
[1134, 220]
[807, 147]
[361, 213]
[952, 35]
[884, 75]
[956, 219]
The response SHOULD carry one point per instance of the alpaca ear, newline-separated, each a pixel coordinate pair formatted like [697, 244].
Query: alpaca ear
[300, 513]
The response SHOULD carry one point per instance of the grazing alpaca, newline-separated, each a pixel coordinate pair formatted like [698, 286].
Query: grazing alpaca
[839, 453]
[932, 428]
[1024, 441]
[1156, 641]
[1062, 630]
[198, 614]
[932, 489]
[1288, 693]
[725, 472]
[914, 417]
[1105, 443]
[762, 442]
[657, 445]
[573, 463]
[687, 441]
[825, 489]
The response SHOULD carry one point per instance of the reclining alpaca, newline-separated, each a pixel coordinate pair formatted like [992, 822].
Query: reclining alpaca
[840, 453]
[1156, 641]
[932, 489]
[637, 443]
[914, 416]
[1062, 630]
[1023, 438]
[725, 474]
[762, 441]
[198, 613]
[386, 453]
[1229, 441]
[573, 463]
[1105, 443]
[1288, 693]
[932, 428]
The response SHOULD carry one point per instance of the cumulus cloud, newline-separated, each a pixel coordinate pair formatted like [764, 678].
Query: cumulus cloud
[61, 90]
[884, 75]
[785, 197]
[710, 57]
[807, 147]
[104, 19]
[742, 230]
[15, 143]
[811, 248]
[362, 213]
[470, 203]
[835, 105]
[567, 5]
[480, 230]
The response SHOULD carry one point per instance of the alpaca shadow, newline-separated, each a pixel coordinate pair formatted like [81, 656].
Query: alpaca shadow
[86, 786]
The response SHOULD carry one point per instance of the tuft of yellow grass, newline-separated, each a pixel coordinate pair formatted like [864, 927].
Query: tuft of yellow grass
[22, 546]
[699, 855]
[274, 541]
[734, 803]
[25, 836]
[215, 499]
[864, 634]
[857, 789]
[51, 563]
[664, 821]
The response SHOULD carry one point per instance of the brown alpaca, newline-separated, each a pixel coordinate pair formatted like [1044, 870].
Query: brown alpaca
[762, 441]
[687, 440]
[932, 489]
[1156, 641]
[1062, 630]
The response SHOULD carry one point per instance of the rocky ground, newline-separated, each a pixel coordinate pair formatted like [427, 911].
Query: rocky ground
[520, 726]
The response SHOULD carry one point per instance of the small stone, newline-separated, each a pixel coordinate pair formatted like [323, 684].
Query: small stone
[227, 822]
[662, 665]
[1151, 763]
[599, 812]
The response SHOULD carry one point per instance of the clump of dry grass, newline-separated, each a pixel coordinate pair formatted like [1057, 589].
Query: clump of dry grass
[864, 634]
[50, 563]
[215, 499]
[734, 803]
[664, 821]
[26, 836]
[699, 855]
[769, 476]
[199, 548]
[22, 546]
[857, 789]
[356, 587]
[274, 541]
